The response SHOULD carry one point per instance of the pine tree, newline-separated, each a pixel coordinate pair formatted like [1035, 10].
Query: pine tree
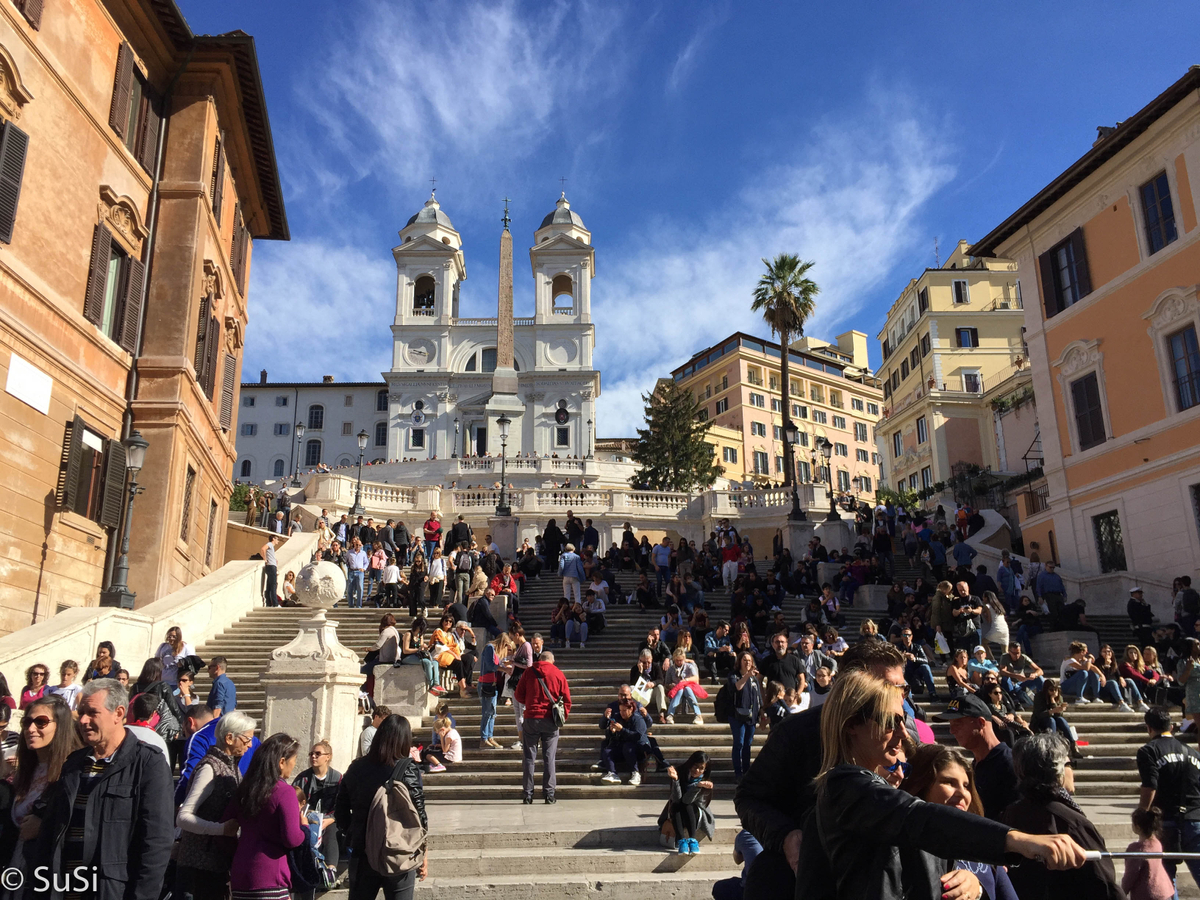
[671, 450]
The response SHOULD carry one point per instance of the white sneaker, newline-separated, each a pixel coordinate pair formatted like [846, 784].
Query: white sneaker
[1125, 707]
[610, 778]
[635, 779]
[1080, 701]
[670, 720]
[596, 767]
[582, 645]
[699, 720]
[516, 745]
[1143, 708]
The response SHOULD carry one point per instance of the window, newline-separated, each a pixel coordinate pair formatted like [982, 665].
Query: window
[1109, 545]
[707, 391]
[562, 437]
[773, 382]
[246, 467]
[758, 400]
[754, 376]
[381, 401]
[903, 369]
[424, 291]
[914, 358]
[702, 414]
[873, 409]
[866, 483]
[778, 432]
[417, 438]
[816, 394]
[897, 445]
[212, 528]
[278, 468]
[249, 429]
[912, 482]
[835, 399]
[805, 471]
[13, 145]
[843, 480]
[722, 405]
[856, 404]
[281, 401]
[862, 455]
[487, 360]
[1066, 278]
[283, 429]
[923, 299]
[347, 428]
[185, 519]
[840, 450]
[248, 401]
[961, 294]
[778, 465]
[895, 380]
[312, 453]
[799, 412]
[860, 432]
[925, 345]
[922, 430]
[113, 298]
[761, 463]
[839, 422]
[819, 417]
[381, 430]
[876, 459]
[887, 389]
[1158, 212]
[776, 405]
[927, 478]
[803, 438]
[971, 382]
[217, 187]
[725, 382]
[966, 337]
[758, 429]
[1185, 362]
[91, 480]
[729, 454]
[1089, 417]
[348, 400]
[134, 112]
[316, 417]
[472, 363]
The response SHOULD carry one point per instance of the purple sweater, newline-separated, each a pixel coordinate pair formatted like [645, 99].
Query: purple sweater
[261, 858]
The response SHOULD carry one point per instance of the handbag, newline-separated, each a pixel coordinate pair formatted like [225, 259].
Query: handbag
[558, 709]
[641, 693]
[940, 644]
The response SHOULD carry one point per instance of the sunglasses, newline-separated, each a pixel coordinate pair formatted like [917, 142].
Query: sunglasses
[38, 722]
[900, 766]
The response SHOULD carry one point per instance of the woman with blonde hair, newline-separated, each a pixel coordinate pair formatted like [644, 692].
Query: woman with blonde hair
[172, 651]
[491, 666]
[876, 837]
[869, 631]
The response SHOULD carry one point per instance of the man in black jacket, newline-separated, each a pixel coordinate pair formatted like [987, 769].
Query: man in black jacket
[112, 814]
[387, 537]
[402, 539]
[776, 795]
[783, 666]
[460, 533]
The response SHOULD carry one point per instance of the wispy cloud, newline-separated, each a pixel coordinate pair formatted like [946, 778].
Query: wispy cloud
[850, 200]
[685, 62]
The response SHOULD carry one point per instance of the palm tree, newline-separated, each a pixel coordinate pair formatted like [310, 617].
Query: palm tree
[786, 298]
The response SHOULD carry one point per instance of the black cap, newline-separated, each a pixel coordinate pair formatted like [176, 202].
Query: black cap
[968, 707]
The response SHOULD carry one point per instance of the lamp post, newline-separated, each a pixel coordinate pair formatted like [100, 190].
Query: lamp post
[118, 593]
[299, 439]
[589, 454]
[826, 448]
[357, 508]
[454, 452]
[502, 507]
[791, 434]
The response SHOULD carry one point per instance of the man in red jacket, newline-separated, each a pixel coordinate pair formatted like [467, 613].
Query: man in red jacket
[540, 685]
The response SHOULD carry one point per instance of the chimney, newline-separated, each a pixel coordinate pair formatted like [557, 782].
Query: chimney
[326, 379]
[262, 377]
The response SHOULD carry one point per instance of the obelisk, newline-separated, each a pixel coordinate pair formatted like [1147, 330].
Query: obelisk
[504, 380]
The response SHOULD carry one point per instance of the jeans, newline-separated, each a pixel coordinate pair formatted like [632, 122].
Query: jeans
[743, 738]
[532, 731]
[433, 674]
[1025, 634]
[663, 577]
[919, 674]
[1029, 684]
[571, 589]
[887, 561]
[1078, 684]
[576, 631]
[679, 697]
[354, 589]
[429, 545]
[374, 577]
[462, 586]
[487, 714]
[613, 753]
[1181, 836]
[270, 597]
[365, 882]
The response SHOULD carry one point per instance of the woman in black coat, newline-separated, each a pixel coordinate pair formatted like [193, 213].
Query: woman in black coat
[552, 540]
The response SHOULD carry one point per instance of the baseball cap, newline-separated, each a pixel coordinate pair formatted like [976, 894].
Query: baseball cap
[979, 649]
[968, 707]
[1135, 589]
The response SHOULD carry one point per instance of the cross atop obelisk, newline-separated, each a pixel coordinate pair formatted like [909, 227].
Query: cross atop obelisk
[504, 380]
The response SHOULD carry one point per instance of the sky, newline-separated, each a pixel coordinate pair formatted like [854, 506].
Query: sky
[695, 140]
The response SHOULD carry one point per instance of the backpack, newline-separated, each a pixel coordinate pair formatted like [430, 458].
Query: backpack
[1190, 601]
[395, 838]
[724, 706]
[558, 709]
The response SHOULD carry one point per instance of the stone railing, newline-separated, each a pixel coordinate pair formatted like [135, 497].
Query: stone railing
[566, 465]
[389, 495]
[474, 321]
[476, 500]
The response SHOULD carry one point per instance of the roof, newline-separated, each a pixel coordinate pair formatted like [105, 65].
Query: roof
[562, 215]
[431, 214]
[240, 46]
[1105, 149]
[313, 384]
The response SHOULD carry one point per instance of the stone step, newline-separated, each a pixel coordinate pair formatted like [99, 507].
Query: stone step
[629, 837]
[461, 865]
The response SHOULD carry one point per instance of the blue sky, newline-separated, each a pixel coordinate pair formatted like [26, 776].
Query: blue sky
[696, 138]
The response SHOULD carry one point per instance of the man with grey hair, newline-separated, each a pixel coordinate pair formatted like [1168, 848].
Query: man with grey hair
[540, 687]
[112, 814]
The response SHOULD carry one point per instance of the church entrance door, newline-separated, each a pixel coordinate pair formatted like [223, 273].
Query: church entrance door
[481, 446]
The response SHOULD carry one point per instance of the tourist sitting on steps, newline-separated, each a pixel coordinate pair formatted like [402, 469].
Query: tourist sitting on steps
[450, 751]
[625, 741]
[688, 807]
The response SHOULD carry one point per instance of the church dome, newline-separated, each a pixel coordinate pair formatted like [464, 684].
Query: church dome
[430, 214]
[562, 215]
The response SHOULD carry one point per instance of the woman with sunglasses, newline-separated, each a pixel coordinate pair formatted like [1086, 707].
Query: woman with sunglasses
[48, 737]
[207, 844]
[320, 782]
[873, 837]
[37, 682]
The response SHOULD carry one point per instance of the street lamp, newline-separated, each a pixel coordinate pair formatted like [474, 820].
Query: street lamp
[502, 508]
[357, 508]
[299, 438]
[791, 434]
[454, 451]
[118, 593]
[826, 448]
[589, 455]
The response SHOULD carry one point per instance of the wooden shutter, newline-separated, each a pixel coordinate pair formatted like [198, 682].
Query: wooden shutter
[237, 252]
[33, 12]
[201, 334]
[113, 498]
[974, 337]
[147, 151]
[68, 471]
[118, 113]
[1083, 275]
[228, 383]
[93, 301]
[212, 339]
[13, 144]
[1049, 291]
[131, 305]
[218, 177]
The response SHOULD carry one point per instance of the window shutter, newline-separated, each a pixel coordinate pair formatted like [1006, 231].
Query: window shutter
[33, 13]
[68, 472]
[974, 337]
[957, 338]
[1083, 275]
[13, 144]
[93, 301]
[132, 305]
[212, 339]
[148, 149]
[114, 485]
[218, 181]
[228, 383]
[1049, 292]
[235, 241]
[118, 114]
[201, 355]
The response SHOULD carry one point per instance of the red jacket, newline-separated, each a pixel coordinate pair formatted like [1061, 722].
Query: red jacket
[529, 692]
[498, 584]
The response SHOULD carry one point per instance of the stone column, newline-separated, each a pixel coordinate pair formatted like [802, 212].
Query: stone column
[504, 379]
[312, 687]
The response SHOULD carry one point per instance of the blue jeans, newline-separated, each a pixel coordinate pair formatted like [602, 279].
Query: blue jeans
[1025, 633]
[919, 674]
[664, 577]
[743, 738]
[487, 716]
[1079, 684]
[679, 697]
[576, 631]
[1181, 837]
[354, 588]
[429, 545]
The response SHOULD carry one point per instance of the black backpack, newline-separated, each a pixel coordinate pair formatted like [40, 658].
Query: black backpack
[724, 706]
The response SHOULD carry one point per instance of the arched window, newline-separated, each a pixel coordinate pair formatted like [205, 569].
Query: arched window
[381, 401]
[423, 292]
[245, 468]
[312, 453]
[562, 284]
[345, 461]
[316, 417]
[381, 430]
[487, 359]
[278, 468]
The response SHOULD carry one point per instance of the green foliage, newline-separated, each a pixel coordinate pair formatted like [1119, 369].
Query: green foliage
[671, 451]
[238, 499]
[903, 497]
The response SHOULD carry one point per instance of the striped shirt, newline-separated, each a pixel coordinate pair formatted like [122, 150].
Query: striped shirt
[89, 777]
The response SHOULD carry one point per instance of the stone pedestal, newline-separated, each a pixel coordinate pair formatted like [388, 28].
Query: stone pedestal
[1050, 647]
[505, 531]
[796, 536]
[403, 690]
[499, 608]
[836, 535]
[312, 687]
